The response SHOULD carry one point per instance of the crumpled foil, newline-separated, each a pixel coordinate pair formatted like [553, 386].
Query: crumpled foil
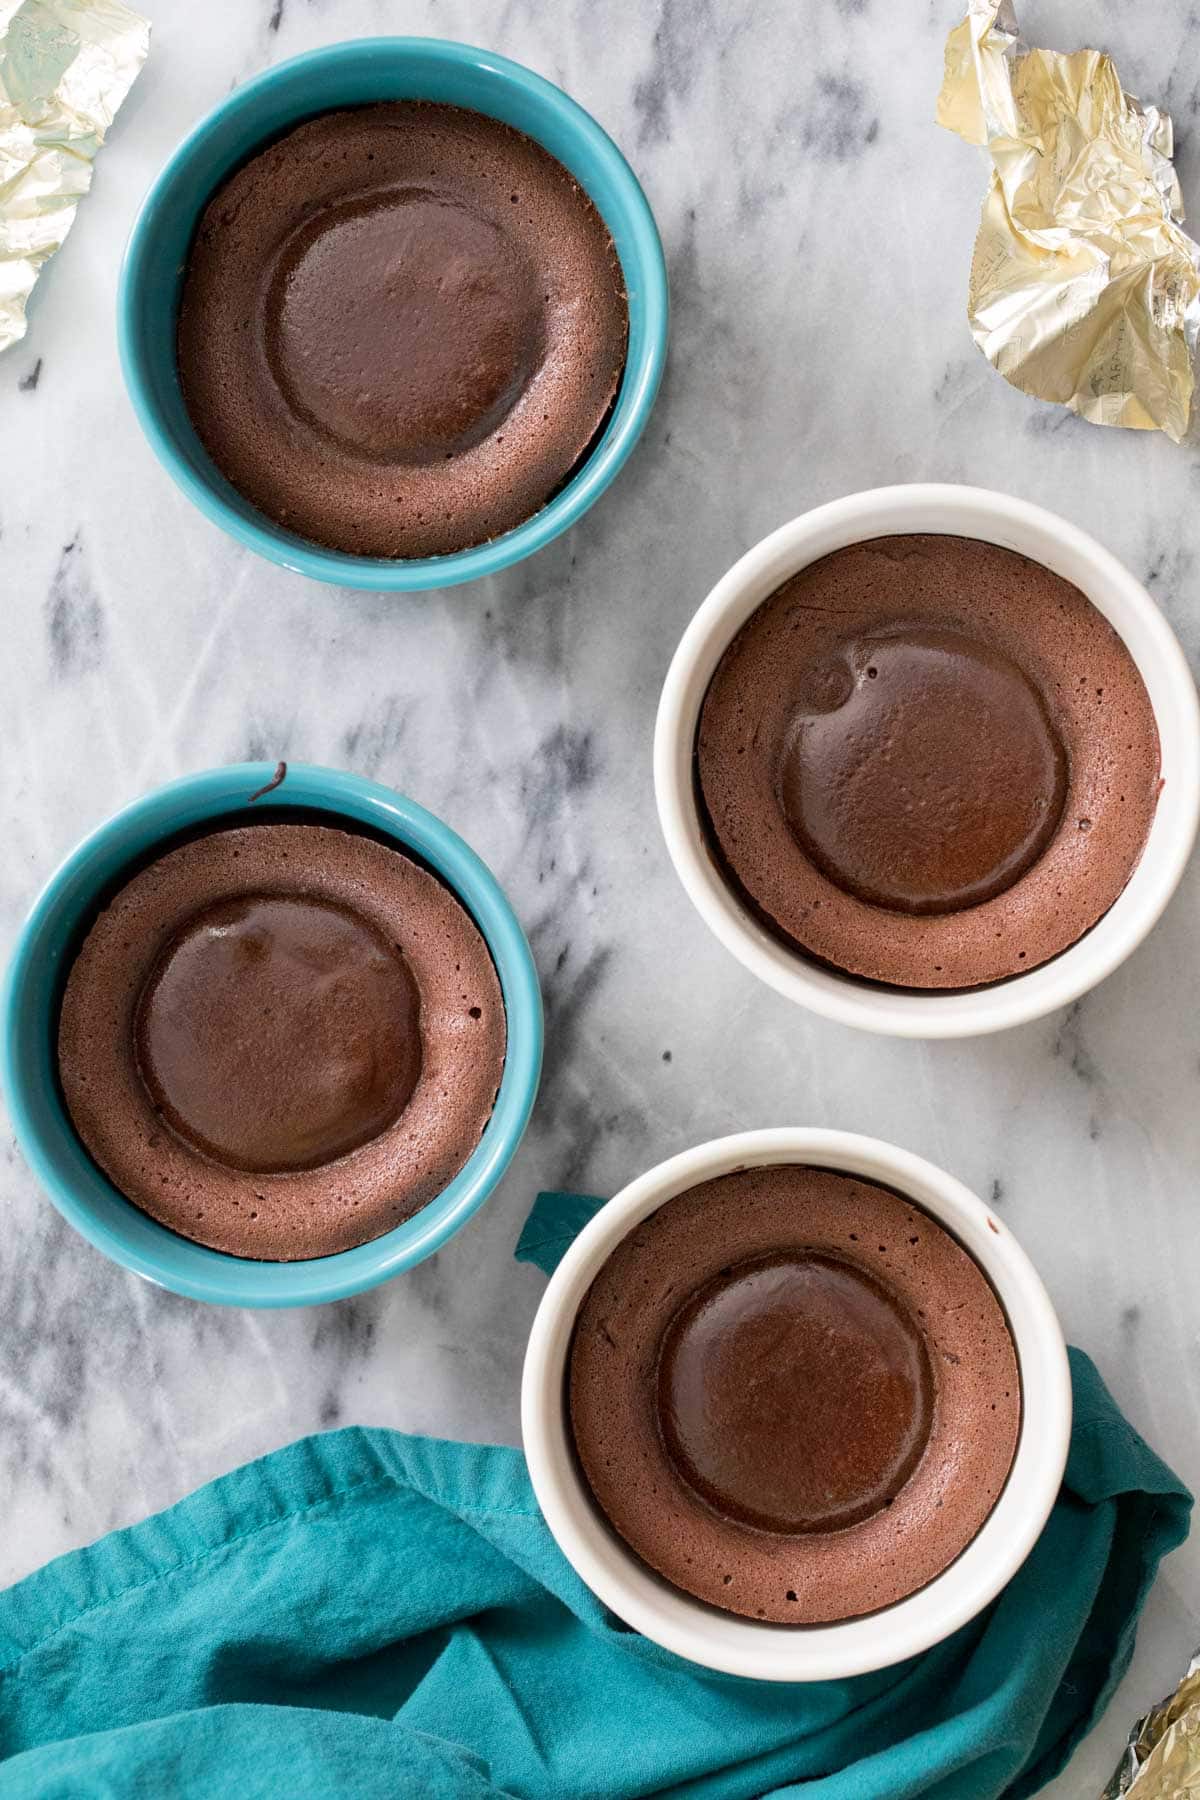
[65, 67]
[1084, 287]
[1162, 1757]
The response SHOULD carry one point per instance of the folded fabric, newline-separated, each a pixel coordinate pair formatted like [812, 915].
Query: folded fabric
[369, 1613]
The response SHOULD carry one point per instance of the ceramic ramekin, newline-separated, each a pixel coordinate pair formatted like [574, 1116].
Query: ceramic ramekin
[33, 993]
[354, 74]
[749, 1647]
[960, 512]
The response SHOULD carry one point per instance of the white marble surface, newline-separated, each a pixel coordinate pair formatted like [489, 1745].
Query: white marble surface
[775, 143]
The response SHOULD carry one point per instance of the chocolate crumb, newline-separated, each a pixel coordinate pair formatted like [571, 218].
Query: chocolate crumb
[276, 780]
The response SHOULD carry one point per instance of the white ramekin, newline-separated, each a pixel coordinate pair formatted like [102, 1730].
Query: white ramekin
[750, 1647]
[960, 512]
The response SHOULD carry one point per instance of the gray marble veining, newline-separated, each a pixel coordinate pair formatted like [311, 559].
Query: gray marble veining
[778, 144]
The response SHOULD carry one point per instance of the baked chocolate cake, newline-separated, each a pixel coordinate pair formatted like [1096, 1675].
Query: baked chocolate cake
[794, 1394]
[282, 1040]
[401, 327]
[928, 761]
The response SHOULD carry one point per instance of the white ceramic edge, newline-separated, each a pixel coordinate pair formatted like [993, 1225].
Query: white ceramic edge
[1060, 546]
[747, 1647]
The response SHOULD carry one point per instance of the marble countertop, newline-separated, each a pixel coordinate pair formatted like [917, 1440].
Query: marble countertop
[140, 643]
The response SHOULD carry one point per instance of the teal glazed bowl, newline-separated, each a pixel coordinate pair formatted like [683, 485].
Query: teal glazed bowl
[43, 956]
[354, 74]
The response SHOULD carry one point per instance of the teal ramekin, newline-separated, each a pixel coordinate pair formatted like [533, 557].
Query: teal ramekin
[33, 992]
[354, 74]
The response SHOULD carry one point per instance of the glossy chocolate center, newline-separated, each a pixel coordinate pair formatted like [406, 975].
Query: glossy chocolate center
[277, 1033]
[922, 771]
[403, 325]
[794, 1393]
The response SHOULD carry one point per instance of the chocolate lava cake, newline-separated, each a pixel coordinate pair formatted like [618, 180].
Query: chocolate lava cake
[281, 1040]
[928, 761]
[793, 1394]
[401, 328]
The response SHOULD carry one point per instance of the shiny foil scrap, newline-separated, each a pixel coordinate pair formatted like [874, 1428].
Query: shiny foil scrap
[1084, 287]
[65, 67]
[1162, 1757]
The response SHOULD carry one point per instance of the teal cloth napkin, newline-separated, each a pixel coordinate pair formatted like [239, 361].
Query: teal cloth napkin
[373, 1614]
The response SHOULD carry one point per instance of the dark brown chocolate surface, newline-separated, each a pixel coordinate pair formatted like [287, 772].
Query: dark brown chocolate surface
[793, 1394]
[401, 327]
[277, 1032]
[928, 761]
[282, 1040]
[928, 776]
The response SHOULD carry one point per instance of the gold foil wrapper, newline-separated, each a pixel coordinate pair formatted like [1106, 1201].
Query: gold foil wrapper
[1084, 287]
[65, 67]
[1162, 1757]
